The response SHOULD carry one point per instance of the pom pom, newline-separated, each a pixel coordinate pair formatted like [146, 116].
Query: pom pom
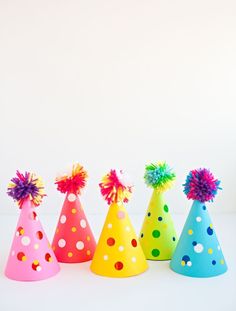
[159, 176]
[26, 185]
[115, 187]
[73, 181]
[201, 185]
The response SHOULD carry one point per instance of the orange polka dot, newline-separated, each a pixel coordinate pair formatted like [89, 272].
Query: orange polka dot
[119, 265]
[39, 235]
[70, 254]
[88, 238]
[111, 241]
[73, 229]
[88, 252]
[73, 211]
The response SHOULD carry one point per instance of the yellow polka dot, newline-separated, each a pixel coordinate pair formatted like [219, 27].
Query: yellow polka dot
[211, 226]
[182, 263]
[88, 252]
[36, 246]
[190, 231]
[73, 211]
[70, 254]
[50, 259]
[35, 262]
[88, 238]
[73, 229]
[22, 231]
[24, 258]
[222, 261]
[57, 230]
[210, 251]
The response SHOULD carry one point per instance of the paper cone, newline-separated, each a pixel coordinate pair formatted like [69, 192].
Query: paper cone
[198, 252]
[31, 257]
[73, 240]
[158, 237]
[118, 252]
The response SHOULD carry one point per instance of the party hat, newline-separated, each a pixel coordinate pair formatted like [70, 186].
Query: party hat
[118, 252]
[158, 237]
[31, 256]
[198, 252]
[73, 240]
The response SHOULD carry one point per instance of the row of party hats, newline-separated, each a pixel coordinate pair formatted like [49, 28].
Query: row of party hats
[119, 253]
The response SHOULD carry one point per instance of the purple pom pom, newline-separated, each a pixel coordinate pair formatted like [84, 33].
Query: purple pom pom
[201, 185]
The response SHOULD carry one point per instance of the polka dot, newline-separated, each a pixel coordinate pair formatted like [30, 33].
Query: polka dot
[63, 219]
[88, 238]
[156, 233]
[33, 216]
[70, 254]
[71, 197]
[13, 253]
[80, 245]
[73, 211]
[174, 239]
[109, 226]
[189, 263]
[213, 262]
[222, 261]
[120, 215]
[25, 240]
[155, 252]
[166, 209]
[119, 265]
[190, 231]
[20, 231]
[134, 259]
[83, 223]
[218, 247]
[198, 219]
[48, 257]
[111, 241]
[61, 243]
[141, 235]
[121, 248]
[36, 246]
[149, 214]
[127, 228]
[185, 258]
[194, 243]
[105, 257]
[73, 229]
[209, 230]
[88, 252]
[198, 248]
[182, 263]
[57, 231]
[159, 218]
[134, 243]
[39, 235]
[36, 266]
[21, 256]
[204, 207]
[210, 251]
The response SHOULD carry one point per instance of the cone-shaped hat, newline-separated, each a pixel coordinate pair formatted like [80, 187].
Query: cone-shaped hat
[198, 252]
[118, 252]
[31, 257]
[73, 240]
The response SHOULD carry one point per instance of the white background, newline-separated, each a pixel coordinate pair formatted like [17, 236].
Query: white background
[118, 84]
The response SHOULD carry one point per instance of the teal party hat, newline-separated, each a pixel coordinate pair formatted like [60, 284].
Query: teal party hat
[198, 252]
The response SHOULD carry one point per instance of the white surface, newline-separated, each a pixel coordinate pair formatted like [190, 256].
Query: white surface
[118, 84]
[76, 288]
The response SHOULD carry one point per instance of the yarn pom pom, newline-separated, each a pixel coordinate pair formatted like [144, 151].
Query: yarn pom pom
[201, 185]
[73, 181]
[115, 187]
[159, 176]
[25, 186]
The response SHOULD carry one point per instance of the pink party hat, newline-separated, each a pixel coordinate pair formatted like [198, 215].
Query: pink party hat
[73, 240]
[31, 257]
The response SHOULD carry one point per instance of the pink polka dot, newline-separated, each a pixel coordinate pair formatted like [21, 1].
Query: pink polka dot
[121, 214]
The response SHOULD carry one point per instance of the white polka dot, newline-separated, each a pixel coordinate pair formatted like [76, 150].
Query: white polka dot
[109, 226]
[36, 246]
[79, 245]
[63, 219]
[105, 257]
[198, 248]
[13, 253]
[39, 268]
[83, 223]
[127, 228]
[121, 248]
[25, 240]
[133, 259]
[61, 243]
[218, 247]
[71, 197]
[198, 219]
[189, 263]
